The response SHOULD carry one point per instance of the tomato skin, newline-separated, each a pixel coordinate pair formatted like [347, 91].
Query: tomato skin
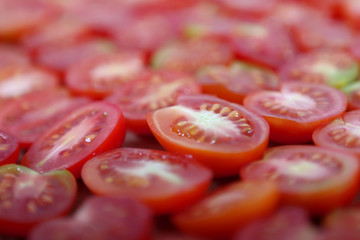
[162, 192]
[20, 219]
[291, 126]
[215, 219]
[316, 178]
[107, 134]
[233, 154]
[9, 152]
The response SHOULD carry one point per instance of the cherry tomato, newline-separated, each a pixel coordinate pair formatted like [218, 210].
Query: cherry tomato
[97, 77]
[191, 55]
[28, 198]
[315, 178]
[116, 217]
[288, 223]
[233, 83]
[340, 134]
[334, 67]
[220, 134]
[166, 182]
[28, 116]
[148, 92]
[68, 144]
[295, 111]
[9, 148]
[233, 206]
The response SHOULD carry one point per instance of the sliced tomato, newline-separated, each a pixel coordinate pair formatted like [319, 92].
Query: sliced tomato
[334, 67]
[13, 56]
[148, 92]
[233, 83]
[97, 77]
[288, 223]
[28, 116]
[164, 181]
[28, 198]
[315, 178]
[220, 134]
[91, 129]
[117, 217]
[191, 55]
[16, 81]
[9, 148]
[341, 133]
[295, 111]
[229, 208]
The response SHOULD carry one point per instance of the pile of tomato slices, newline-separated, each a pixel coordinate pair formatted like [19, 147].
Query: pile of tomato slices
[179, 120]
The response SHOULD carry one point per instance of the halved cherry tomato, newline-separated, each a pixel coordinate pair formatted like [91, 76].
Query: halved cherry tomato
[229, 208]
[28, 116]
[117, 217]
[295, 111]
[91, 129]
[148, 92]
[220, 134]
[28, 198]
[191, 55]
[287, 223]
[334, 67]
[342, 133]
[164, 181]
[98, 76]
[233, 83]
[316, 178]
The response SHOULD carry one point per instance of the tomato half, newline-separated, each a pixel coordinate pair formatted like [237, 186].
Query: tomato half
[334, 67]
[98, 76]
[341, 133]
[91, 129]
[28, 116]
[28, 198]
[116, 217]
[295, 111]
[220, 134]
[229, 208]
[150, 91]
[9, 148]
[164, 181]
[315, 178]
[233, 83]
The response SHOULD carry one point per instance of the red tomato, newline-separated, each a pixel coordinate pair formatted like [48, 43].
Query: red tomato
[288, 223]
[98, 76]
[91, 129]
[151, 91]
[220, 134]
[334, 67]
[233, 83]
[117, 217]
[175, 236]
[9, 148]
[191, 55]
[16, 81]
[316, 178]
[13, 56]
[340, 134]
[295, 111]
[220, 214]
[28, 198]
[165, 182]
[28, 116]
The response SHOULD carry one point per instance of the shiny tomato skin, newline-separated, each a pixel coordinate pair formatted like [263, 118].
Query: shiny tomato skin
[295, 111]
[68, 144]
[228, 208]
[30, 198]
[148, 92]
[315, 178]
[164, 181]
[98, 76]
[219, 134]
